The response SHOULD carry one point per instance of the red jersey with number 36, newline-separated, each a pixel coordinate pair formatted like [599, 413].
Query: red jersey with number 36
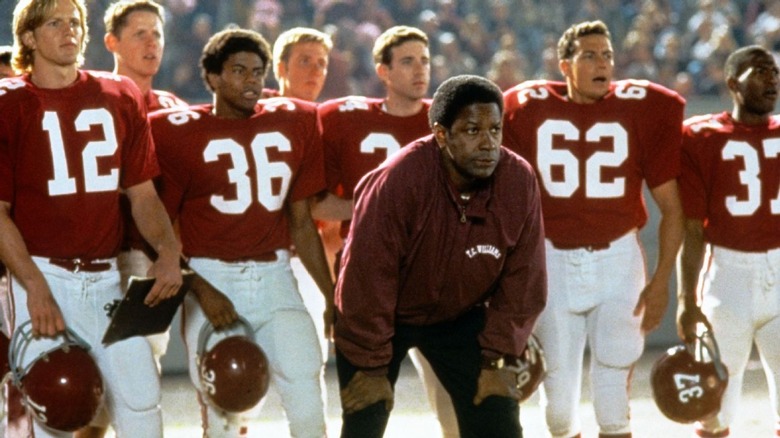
[64, 154]
[229, 180]
[591, 159]
[730, 179]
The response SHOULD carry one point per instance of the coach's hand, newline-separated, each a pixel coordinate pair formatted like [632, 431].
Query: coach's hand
[364, 390]
[217, 307]
[501, 382]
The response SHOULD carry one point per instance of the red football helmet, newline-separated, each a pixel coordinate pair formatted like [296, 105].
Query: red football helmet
[530, 368]
[234, 373]
[688, 381]
[62, 387]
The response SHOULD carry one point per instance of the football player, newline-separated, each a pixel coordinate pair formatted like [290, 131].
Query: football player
[240, 190]
[134, 34]
[730, 260]
[593, 142]
[69, 139]
[446, 254]
[359, 133]
[301, 62]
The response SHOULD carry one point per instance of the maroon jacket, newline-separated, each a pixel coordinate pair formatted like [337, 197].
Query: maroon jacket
[410, 259]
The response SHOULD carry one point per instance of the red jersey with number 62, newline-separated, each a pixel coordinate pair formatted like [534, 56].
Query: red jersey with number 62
[730, 179]
[229, 180]
[591, 159]
[64, 154]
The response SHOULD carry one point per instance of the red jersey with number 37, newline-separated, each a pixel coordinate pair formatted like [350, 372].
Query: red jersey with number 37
[229, 180]
[730, 179]
[64, 154]
[591, 159]
[358, 135]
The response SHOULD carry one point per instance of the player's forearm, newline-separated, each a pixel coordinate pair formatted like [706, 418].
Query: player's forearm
[13, 250]
[309, 247]
[690, 262]
[670, 229]
[152, 221]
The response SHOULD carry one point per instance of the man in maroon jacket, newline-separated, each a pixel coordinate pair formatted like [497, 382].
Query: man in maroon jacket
[446, 254]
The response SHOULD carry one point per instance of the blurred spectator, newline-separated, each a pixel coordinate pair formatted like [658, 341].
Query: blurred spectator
[683, 36]
[507, 69]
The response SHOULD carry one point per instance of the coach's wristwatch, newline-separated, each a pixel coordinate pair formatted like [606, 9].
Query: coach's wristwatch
[489, 363]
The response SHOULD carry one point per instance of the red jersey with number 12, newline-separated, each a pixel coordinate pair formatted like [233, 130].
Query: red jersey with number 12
[730, 179]
[591, 159]
[64, 154]
[229, 180]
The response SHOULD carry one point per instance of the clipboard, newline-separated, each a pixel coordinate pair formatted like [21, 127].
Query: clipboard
[132, 317]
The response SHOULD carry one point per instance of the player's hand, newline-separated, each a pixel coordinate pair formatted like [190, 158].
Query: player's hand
[44, 311]
[501, 382]
[653, 300]
[688, 319]
[218, 308]
[364, 390]
[168, 280]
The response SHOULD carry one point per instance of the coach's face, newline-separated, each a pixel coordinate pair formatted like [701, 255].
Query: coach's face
[239, 85]
[471, 147]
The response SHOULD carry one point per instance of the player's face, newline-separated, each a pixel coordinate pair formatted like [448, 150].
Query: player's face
[57, 42]
[589, 71]
[471, 147]
[139, 45]
[409, 72]
[756, 86]
[239, 85]
[303, 75]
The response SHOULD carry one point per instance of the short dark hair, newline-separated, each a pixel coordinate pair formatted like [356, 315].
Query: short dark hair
[392, 38]
[227, 42]
[576, 31]
[458, 92]
[736, 61]
[116, 15]
[5, 55]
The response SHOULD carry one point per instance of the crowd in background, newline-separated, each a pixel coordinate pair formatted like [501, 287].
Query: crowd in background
[681, 44]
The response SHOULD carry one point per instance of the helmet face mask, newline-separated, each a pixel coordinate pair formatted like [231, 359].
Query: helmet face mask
[688, 381]
[234, 373]
[62, 387]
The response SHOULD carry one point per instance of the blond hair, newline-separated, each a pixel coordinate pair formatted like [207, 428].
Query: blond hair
[31, 14]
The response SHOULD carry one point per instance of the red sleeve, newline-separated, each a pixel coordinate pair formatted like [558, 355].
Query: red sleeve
[693, 190]
[310, 179]
[139, 162]
[365, 329]
[661, 153]
[521, 294]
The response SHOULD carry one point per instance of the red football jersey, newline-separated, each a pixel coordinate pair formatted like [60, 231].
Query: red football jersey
[358, 135]
[228, 181]
[64, 154]
[591, 159]
[159, 99]
[155, 100]
[730, 179]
